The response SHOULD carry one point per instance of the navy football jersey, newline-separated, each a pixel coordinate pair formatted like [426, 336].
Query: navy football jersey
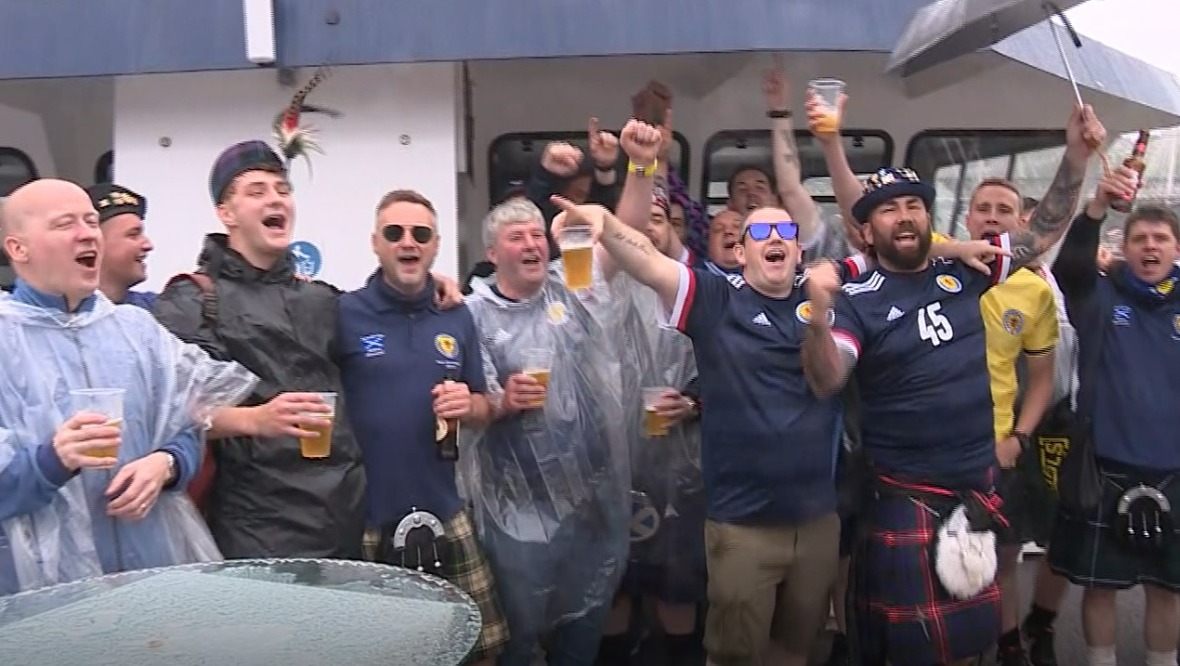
[921, 369]
[768, 444]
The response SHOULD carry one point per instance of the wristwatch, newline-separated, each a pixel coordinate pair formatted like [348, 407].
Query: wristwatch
[1024, 438]
[171, 468]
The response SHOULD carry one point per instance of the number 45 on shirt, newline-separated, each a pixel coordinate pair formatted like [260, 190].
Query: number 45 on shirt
[934, 326]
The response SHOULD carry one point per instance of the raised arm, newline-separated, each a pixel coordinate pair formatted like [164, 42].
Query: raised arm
[629, 249]
[845, 185]
[641, 143]
[1083, 134]
[788, 174]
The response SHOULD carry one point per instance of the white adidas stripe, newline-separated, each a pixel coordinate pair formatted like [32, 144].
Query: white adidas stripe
[872, 284]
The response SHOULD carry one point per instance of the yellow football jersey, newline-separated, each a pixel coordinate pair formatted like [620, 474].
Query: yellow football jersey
[1019, 315]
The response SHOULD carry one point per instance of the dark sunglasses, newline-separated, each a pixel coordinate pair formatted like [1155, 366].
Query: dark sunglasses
[394, 232]
[760, 231]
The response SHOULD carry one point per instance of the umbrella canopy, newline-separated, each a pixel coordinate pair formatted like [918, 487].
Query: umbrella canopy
[947, 29]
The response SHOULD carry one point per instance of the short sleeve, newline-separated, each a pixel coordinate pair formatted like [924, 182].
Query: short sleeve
[473, 365]
[701, 297]
[1041, 336]
[848, 331]
[1001, 267]
[851, 268]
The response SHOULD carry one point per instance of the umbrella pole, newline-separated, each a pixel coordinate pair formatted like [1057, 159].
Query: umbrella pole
[1077, 93]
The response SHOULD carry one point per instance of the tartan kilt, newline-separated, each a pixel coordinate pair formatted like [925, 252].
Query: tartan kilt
[1088, 552]
[468, 568]
[904, 615]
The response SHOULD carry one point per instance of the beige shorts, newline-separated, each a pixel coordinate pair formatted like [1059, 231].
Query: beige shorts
[768, 583]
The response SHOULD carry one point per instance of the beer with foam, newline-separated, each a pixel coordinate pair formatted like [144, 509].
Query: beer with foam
[577, 257]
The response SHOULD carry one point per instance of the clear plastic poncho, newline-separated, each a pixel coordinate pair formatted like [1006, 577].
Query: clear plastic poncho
[549, 487]
[667, 498]
[170, 386]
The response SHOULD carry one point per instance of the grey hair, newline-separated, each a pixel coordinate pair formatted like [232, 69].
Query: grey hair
[513, 210]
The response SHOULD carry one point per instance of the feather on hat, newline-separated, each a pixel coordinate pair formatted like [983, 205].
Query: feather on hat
[297, 140]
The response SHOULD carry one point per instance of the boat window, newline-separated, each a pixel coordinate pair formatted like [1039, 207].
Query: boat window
[16, 169]
[511, 157]
[104, 168]
[730, 150]
[955, 161]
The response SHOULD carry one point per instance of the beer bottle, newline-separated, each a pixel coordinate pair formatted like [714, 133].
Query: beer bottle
[1136, 163]
[446, 431]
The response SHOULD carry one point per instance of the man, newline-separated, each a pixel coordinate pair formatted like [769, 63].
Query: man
[549, 477]
[69, 509]
[724, 231]
[772, 531]
[1020, 327]
[409, 370]
[1128, 323]
[267, 500]
[121, 213]
[909, 327]
[667, 559]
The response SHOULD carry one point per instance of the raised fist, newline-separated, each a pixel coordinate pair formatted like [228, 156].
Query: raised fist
[641, 142]
[561, 159]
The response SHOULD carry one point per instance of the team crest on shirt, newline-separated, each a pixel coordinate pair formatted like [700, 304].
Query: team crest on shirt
[1013, 321]
[556, 313]
[949, 283]
[445, 345]
[1164, 288]
[803, 313]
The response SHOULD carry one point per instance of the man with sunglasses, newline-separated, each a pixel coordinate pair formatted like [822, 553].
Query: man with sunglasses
[408, 366]
[768, 444]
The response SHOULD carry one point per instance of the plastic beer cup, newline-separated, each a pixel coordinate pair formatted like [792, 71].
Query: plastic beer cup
[536, 363]
[654, 423]
[105, 401]
[577, 257]
[828, 91]
[319, 446]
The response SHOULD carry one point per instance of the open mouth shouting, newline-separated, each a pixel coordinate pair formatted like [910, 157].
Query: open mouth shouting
[409, 261]
[275, 222]
[775, 255]
[87, 259]
[906, 238]
[531, 260]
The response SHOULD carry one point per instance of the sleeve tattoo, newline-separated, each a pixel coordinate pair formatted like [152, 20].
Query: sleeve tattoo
[1052, 215]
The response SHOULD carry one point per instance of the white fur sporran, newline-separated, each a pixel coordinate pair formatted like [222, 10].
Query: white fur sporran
[964, 560]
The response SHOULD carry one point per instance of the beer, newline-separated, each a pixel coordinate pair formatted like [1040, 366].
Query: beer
[1137, 164]
[578, 261]
[446, 431]
[542, 377]
[654, 423]
[828, 91]
[319, 446]
[107, 451]
[828, 124]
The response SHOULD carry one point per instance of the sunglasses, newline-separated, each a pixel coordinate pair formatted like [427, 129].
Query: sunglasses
[394, 233]
[760, 231]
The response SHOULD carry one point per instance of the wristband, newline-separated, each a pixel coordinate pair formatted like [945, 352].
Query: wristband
[645, 172]
[778, 113]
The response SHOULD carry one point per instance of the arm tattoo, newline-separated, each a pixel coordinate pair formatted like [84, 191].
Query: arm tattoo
[629, 240]
[790, 151]
[1052, 215]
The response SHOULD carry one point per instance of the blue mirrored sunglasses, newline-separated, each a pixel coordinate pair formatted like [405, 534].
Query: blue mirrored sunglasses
[760, 231]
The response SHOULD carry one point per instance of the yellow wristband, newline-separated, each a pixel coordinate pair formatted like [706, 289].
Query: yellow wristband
[645, 172]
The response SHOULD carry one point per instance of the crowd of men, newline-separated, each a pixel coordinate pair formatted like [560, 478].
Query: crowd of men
[723, 429]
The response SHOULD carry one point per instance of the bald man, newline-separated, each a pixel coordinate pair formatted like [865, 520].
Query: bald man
[89, 485]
